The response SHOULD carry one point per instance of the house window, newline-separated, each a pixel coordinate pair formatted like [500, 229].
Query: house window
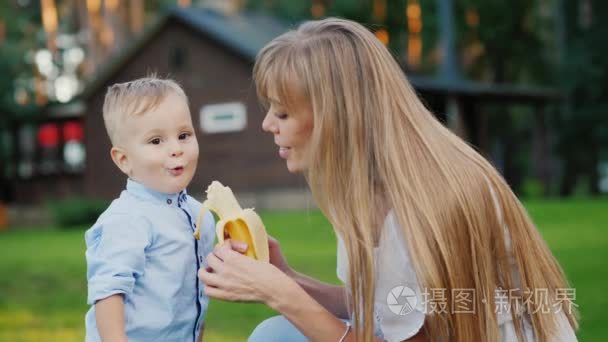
[222, 118]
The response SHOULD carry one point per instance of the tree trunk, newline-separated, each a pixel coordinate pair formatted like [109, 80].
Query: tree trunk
[593, 172]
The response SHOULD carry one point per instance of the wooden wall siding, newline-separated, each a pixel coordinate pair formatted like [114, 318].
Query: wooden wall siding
[42, 189]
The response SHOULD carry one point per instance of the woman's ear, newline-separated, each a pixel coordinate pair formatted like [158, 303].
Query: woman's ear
[120, 158]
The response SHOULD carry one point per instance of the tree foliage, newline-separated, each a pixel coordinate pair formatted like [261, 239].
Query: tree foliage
[21, 35]
[583, 123]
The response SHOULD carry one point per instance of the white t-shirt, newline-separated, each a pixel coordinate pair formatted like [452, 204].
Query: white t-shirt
[399, 301]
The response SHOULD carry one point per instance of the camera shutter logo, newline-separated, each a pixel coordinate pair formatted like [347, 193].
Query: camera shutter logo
[408, 300]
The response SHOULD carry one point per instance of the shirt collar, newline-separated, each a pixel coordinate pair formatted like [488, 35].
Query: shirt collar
[141, 191]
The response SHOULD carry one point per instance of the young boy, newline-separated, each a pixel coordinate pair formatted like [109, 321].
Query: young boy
[142, 258]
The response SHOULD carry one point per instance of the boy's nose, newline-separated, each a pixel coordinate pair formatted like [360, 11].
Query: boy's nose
[176, 150]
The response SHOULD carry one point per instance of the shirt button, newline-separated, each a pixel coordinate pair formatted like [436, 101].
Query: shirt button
[169, 201]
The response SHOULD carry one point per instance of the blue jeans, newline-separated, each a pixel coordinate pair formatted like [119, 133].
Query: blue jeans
[276, 329]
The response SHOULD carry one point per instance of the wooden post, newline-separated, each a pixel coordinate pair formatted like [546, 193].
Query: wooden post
[455, 119]
[3, 216]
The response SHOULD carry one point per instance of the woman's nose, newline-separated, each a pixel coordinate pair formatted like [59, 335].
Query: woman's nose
[269, 124]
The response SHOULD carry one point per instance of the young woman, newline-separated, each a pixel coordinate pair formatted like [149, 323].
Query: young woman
[417, 212]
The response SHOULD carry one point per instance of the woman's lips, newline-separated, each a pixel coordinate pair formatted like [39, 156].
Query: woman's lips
[284, 152]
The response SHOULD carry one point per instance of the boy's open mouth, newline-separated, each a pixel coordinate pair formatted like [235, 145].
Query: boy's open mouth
[176, 171]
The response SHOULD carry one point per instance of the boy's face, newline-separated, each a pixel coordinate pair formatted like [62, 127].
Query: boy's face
[159, 147]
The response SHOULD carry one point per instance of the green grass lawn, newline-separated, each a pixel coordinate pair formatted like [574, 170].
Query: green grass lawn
[43, 280]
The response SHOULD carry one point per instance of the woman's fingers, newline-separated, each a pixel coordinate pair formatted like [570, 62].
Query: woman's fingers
[272, 241]
[238, 246]
[209, 278]
[231, 276]
[217, 260]
[220, 250]
[229, 249]
[234, 277]
[276, 255]
[214, 292]
[220, 293]
[214, 262]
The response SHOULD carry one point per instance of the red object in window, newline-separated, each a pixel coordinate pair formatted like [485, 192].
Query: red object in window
[48, 135]
[73, 131]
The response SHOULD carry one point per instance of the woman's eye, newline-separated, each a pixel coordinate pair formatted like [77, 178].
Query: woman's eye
[184, 136]
[155, 141]
[281, 116]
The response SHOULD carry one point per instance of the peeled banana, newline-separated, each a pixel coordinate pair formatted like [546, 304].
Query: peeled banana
[234, 222]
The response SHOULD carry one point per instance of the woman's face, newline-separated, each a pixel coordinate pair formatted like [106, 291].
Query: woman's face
[292, 132]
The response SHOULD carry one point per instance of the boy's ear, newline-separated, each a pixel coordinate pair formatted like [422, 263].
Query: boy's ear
[119, 157]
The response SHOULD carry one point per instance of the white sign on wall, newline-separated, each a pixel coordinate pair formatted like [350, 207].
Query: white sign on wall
[224, 117]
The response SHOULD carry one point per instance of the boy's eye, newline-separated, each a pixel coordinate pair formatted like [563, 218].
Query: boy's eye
[281, 116]
[183, 136]
[155, 141]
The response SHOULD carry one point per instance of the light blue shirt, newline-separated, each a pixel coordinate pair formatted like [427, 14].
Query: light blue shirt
[142, 247]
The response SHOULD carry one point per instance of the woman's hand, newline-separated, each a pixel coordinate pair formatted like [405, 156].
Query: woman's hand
[277, 258]
[274, 249]
[233, 277]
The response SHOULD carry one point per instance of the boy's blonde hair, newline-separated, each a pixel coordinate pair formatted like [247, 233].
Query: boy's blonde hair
[442, 191]
[135, 98]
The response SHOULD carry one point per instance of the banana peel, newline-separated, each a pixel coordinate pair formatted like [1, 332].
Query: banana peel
[234, 222]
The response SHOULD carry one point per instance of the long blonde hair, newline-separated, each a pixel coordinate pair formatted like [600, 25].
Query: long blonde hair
[373, 138]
